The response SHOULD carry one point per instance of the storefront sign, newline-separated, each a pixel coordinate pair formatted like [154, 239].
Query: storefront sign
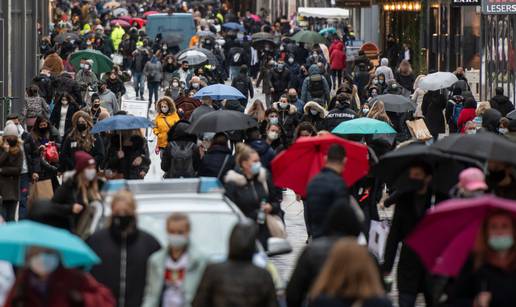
[352, 3]
[499, 7]
[465, 2]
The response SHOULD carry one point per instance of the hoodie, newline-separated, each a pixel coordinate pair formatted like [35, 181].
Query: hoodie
[305, 89]
[265, 152]
[385, 69]
[502, 104]
[109, 101]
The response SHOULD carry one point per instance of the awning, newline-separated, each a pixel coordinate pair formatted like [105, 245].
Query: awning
[323, 12]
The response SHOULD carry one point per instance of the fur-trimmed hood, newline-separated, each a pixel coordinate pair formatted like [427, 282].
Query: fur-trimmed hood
[291, 108]
[316, 106]
[239, 179]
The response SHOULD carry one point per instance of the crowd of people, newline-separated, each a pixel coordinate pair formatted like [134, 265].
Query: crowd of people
[307, 93]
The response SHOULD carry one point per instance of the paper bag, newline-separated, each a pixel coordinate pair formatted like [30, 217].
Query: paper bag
[418, 129]
[40, 190]
[377, 238]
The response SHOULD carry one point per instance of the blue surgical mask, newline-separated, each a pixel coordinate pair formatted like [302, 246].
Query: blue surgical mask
[273, 120]
[177, 240]
[255, 168]
[43, 264]
[501, 243]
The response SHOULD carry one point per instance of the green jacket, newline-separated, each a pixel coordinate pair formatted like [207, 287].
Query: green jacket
[156, 271]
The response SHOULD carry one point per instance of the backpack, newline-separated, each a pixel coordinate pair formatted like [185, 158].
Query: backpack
[236, 59]
[316, 86]
[457, 108]
[241, 85]
[181, 160]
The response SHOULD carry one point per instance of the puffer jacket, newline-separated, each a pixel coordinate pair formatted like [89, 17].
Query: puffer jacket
[305, 88]
[288, 119]
[212, 165]
[162, 125]
[338, 57]
[316, 120]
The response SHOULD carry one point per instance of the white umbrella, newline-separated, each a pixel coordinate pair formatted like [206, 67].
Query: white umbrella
[194, 57]
[437, 81]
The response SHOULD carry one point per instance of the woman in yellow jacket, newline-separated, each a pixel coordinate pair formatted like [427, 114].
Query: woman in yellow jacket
[166, 118]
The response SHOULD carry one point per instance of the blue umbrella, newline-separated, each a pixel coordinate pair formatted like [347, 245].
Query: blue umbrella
[15, 238]
[121, 122]
[234, 26]
[330, 30]
[363, 125]
[219, 92]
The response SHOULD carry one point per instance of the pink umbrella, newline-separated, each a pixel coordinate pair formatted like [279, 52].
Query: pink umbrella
[255, 18]
[150, 13]
[140, 21]
[447, 234]
[125, 17]
[121, 22]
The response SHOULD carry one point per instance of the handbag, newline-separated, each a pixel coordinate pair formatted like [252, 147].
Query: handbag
[40, 190]
[276, 226]
[51, 153]
[418, 129]
[377, 238]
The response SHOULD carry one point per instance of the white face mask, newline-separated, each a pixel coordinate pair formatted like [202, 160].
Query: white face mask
[272, 135]
[291, 60]
[175, 84]
[177, 240]
[314, 112]
[365, 110]
[164, 109]
[283, 105]
[90, 174]
[195, 85]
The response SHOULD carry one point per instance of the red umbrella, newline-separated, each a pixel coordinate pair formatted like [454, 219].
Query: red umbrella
[447, 234]
[125, 18]
[296, 166]
[150, 13]
[140, 21]
[122, 23]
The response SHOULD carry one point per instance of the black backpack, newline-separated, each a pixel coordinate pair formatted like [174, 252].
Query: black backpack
[316, 86]
[241, 85]
[181, 160]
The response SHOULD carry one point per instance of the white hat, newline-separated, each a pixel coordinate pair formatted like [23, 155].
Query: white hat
[10, 130]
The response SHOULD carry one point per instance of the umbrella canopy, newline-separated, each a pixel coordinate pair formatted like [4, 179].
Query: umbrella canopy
[64, 36]
[309, 37]
[330, 30]
[212, 59]
[295, 167]
[121, 122]
[511, 115]
[150, 13]
[126, 18]
[396, 103]
[363, 125]
[234, 26]
[121, 22]
[205, 34]
[219, 92]
[221, 121]
[15, 238]
[140, 21]
[111, 5]
[101, 63]
[120, 11]
[194, 57]
[483, 146]
[437, 81]
[263, 44]
[447, 234]
[262, 35]
[187, 104]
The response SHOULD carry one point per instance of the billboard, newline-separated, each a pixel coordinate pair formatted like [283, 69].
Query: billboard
[498, 7]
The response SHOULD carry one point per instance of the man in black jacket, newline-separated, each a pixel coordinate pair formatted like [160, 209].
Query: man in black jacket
[280, 80]
[244, 84]
[324, 189]
[501, 102]
[341, 113]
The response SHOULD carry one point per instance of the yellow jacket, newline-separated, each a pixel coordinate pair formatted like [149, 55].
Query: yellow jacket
[162, 124]
[116, 36]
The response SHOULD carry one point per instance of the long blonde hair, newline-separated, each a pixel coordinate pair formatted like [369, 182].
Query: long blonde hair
[257, 110]
[349, 272]
[378, 112]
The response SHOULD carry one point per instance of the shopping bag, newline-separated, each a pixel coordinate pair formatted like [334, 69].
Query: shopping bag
[276, 226]
[418, 129]
[51, 153]
[40, 190]
[377, 237]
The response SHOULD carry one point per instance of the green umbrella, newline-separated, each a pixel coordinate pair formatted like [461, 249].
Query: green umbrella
[101, 63]
[330, 30]
[363, 125]
[309, 37]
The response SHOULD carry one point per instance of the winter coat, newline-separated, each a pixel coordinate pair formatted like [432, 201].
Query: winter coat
[321, 193]
[244, 84]
[86, 79]
[316, 120]
[502, 104]
[125, 165]
[69, 147]
[385, 70]
[162, 124]
[116, 36]
[55, 116]
[10, 170]
[280, 81]
[44, 84]
[140, 58]
[343, 112]
[109, 101]
[410, 209]
[35, 161]
[288, 119]
[264, 150]
[265, 77]
[213, 161]
[66, 288]
[465, 116]
[337, 57]
[116, 86]
[33, 107]
[306, 93]
[156, 271]
[406, 81]
[153, 71]
[65, 84]
[432, 108]
[328, 301]
[110, 246]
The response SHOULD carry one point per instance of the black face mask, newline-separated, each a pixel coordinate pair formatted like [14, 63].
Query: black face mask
[82, 127]
[122, 223]
[43, 130]
[494, 177]
[412, 185]
[12, 142]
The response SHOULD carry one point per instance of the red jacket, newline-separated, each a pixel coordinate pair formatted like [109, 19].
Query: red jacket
[68, 288]
[465, 116]
[338, 57]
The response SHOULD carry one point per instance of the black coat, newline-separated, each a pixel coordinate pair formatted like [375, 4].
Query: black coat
[328, 301]
[280, 81]
[69, 147]
[288, 120]
[412, 275]
[213, 161]
[124, 166]
[116, 86]
[502, 104]
[65, 84]
[341, 113]
[108, 246]
[243, 83]
[322, 191]
[432, 108]
[406, 82]
[55, 116]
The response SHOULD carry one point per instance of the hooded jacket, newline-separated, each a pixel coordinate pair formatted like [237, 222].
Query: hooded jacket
[385, 69]
[305, 88]
[502, 104]
[288, 119]
[212, 164]
[316, 120]
[341, 113]
[337, 57]
[163, 122]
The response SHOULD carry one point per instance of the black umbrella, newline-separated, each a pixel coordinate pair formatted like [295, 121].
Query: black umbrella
[212, 59]
[64, 36]
[483, 146]
[264, 44]
[396, 103]
[511, 115]
[221, 121]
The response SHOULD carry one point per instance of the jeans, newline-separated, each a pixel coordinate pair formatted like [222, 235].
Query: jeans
[8, 210]
[153, 91]
[24, 194]
[233, 72]
[336, 75]
[139, 83]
